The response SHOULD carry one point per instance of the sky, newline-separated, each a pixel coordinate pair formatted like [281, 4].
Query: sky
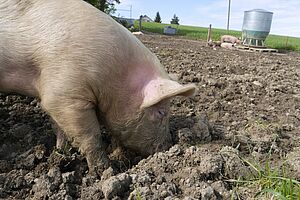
[286, 17]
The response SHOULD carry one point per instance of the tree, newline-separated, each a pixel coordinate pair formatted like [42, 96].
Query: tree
[157, 18]
[107, 6]
[175, 20]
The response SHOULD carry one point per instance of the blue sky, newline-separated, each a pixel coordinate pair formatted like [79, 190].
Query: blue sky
[286, 17]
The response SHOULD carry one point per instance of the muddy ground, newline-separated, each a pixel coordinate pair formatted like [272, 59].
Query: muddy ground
[247, 107]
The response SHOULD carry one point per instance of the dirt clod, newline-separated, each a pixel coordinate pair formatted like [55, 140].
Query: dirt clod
[116, 185]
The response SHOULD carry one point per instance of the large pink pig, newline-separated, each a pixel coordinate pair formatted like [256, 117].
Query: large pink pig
[87, 70]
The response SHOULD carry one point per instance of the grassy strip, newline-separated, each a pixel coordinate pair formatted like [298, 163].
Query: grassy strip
[271, 183]
[192, 32]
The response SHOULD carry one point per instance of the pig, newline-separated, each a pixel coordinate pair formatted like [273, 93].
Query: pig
[87, 70]
[230, 39]
[227, 45]
[138, 33]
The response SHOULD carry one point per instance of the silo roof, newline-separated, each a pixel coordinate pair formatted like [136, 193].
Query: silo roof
[259, 10]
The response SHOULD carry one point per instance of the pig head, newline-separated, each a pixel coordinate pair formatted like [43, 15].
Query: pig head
[87, 70]
[144, 128]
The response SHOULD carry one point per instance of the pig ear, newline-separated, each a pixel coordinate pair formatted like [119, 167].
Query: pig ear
[159, 89]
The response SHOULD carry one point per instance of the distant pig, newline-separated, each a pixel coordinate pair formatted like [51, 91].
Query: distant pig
[230, 39]
[87, 70]
[227, 45]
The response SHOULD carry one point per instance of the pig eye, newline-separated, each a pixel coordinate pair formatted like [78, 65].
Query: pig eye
[160, 114]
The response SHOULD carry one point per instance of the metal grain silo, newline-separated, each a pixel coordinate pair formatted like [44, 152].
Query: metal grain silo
[256, 27]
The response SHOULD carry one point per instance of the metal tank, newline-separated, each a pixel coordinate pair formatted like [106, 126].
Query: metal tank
[256, 27]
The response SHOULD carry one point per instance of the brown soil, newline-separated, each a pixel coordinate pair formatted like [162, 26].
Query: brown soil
[247, 105]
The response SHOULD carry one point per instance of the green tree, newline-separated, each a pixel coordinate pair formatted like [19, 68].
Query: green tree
[157, 18]
[107, 6]
[175, 20]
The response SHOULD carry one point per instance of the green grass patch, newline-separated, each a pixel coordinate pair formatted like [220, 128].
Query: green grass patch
[283, 42]
[200, 33]
[64, 151]
[269, 182]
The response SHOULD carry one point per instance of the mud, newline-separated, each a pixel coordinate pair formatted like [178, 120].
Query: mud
[247, 107]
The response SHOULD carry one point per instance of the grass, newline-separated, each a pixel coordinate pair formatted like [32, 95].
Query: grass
[64, 151]
[200, 33]
[267, 181]
[271, 183]
[138, 195]
[261, 127]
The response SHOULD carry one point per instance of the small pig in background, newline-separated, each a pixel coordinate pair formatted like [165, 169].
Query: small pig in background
[87, 70]
[230, 39]
[227, 45]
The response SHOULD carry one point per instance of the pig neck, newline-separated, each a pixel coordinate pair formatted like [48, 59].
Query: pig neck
[130, 68]
[128, 92]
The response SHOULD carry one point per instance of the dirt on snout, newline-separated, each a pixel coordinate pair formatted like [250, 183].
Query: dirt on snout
[247, 105]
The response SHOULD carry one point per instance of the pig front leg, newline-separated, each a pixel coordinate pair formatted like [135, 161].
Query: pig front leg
[78, 120]
[61, 140]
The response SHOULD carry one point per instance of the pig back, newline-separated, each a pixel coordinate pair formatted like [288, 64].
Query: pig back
[61, 37]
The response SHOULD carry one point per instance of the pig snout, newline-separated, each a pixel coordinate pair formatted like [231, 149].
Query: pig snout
[159, 115]
[161, 144]
[154, 148]
[149, 132]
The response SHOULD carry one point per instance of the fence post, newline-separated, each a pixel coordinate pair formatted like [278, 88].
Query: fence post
[140, 23]
[209, 33]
